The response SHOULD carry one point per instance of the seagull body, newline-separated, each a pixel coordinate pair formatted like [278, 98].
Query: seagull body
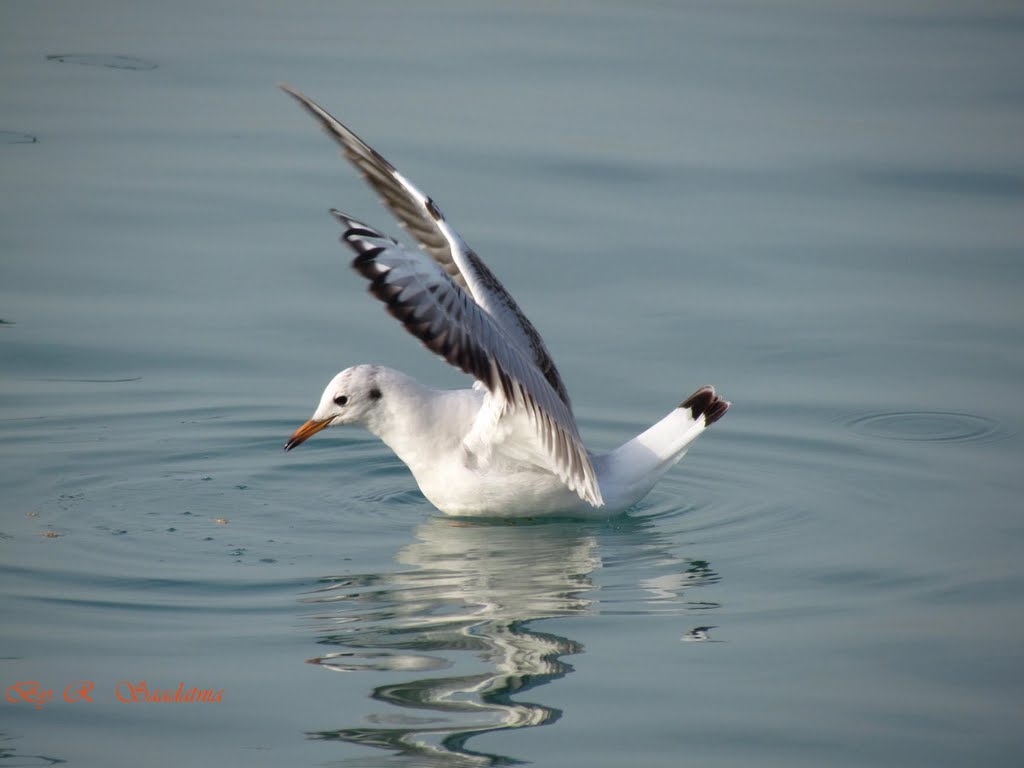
[508, 447]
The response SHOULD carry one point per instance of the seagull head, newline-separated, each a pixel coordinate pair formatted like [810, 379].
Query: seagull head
[350, 398]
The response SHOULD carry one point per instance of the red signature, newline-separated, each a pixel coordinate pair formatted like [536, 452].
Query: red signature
[34, 693]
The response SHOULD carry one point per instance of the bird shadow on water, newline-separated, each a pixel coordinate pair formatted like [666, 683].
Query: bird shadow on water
[459, 614]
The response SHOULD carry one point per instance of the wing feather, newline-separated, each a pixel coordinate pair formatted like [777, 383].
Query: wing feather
[422, 218]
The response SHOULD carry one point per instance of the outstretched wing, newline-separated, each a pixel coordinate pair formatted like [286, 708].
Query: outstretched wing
[422, 218]
[436, 310]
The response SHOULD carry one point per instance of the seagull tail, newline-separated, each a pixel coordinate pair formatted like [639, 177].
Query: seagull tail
[632, 469]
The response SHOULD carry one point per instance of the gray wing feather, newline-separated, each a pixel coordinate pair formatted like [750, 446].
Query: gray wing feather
[423, 219]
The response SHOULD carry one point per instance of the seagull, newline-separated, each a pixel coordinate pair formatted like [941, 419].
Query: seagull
[509, 446]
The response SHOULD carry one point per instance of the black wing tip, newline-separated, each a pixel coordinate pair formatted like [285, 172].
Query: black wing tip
[347, 220]
[705, 402]
[358, 237]
[354, 227]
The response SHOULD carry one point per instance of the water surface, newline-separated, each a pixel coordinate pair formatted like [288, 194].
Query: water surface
[815, 208]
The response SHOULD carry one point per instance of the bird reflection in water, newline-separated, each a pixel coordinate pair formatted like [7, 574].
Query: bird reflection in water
[477, 588]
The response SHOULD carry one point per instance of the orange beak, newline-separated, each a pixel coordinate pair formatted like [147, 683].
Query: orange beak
[306, 431]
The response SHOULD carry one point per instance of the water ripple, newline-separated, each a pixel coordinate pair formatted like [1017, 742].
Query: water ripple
[108, 60]
[16, 137]
[928, 426]
[380, 661]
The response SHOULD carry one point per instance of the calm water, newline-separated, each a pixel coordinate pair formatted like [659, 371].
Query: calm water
[815, 207]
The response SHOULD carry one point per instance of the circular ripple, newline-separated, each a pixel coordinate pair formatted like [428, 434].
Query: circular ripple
[111, 61]
[926, 426]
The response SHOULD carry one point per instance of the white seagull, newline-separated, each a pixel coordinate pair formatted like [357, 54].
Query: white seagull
[509, 446]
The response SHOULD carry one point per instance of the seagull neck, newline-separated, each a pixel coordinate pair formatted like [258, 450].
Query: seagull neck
[417, 422]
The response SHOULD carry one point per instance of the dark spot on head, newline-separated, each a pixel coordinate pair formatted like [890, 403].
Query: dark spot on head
[375, 394]
[341, 400]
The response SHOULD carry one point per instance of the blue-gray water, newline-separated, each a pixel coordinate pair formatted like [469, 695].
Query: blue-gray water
[817, 207]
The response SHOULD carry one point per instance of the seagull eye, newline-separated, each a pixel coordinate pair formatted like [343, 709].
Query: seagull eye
[341, 400]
